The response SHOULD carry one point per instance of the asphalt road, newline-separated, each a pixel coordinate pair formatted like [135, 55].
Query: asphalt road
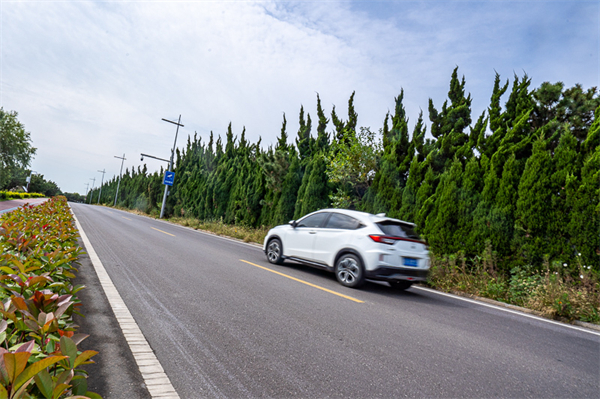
[224, 322]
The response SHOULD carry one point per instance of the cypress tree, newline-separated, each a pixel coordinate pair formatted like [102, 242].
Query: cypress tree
[303, 142]
[316, 194]
[481, 222]
[489, 145]
[584, 201]
[443, 218]
[289, 192]
[501, 216]
[409, 194]
[533, 206]
[448, 125]
[322, 142]
[390, 178]
[469, 196]
[301, 190]
[565, 163]
[339, 126]
[350, 125]
[592, 140]
[282, 139]
[425, 194]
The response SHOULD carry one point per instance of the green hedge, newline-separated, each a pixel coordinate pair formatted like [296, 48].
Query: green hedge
[8, 195]
[38, 337]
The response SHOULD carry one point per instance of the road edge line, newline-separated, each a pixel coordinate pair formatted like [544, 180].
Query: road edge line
[156, 380]
[508, 310]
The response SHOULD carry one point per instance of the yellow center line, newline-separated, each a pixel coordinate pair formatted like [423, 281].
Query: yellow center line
[172, 235]
[125, 218]
[304, 282]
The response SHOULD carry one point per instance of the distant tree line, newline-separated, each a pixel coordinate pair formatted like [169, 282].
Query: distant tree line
[523, 177]
[16, 153]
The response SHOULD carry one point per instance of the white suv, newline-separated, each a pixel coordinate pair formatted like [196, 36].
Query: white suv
[354, 245]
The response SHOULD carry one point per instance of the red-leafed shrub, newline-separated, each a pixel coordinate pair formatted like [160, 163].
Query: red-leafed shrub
[38, 339]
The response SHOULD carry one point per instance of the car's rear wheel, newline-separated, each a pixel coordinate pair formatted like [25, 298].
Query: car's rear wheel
[349, 271]
[275, 251]
[401, 285]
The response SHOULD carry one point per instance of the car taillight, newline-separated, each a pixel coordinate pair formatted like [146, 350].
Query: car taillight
[383, 239]
[392, 240]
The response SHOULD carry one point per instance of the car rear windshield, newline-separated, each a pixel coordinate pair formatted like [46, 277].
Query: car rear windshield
[395, 229]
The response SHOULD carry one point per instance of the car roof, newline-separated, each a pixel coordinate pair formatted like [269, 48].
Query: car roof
[364, 216]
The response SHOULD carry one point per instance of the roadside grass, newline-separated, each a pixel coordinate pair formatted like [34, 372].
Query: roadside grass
[246, 234]
[557, 292]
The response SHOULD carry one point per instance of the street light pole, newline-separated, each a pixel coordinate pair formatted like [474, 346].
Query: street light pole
[87, 188]
[178, 123]
[103, 171]
[120, 173]
[93, 181]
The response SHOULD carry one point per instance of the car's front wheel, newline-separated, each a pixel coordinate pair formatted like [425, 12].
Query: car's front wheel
[401, 284]
[349, 271]
[275, 252]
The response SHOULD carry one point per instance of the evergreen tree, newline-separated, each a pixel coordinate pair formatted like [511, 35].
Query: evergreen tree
[316, 193]
[289, 192]
[303, 142]
[409, 194]
[501, 215]
[282, 139]
[583, 198]
[322, 142]
[425, 196]
[390, 178]
[449, 124]
[299, 206]
[566, 163]
[592, 140]
[533, 206]
[443, 218]
[469, 197]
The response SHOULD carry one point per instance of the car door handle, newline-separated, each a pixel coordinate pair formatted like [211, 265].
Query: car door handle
[312, 232]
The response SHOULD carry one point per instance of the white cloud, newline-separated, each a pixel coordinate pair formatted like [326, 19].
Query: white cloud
[91, 80]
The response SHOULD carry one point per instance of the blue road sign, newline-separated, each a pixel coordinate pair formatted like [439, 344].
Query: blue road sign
[169, 178]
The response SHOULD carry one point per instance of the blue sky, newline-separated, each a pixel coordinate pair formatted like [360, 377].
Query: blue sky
[91, 80]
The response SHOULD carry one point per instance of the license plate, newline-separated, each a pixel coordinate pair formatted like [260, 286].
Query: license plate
[411, 262]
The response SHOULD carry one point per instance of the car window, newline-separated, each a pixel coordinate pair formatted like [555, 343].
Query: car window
[395, 229]
[313, 220]
[345, 222]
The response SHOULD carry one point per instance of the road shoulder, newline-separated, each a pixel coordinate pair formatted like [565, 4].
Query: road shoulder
[115, 373]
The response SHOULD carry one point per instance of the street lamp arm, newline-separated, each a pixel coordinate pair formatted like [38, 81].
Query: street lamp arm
[175, 123]
[150, 156]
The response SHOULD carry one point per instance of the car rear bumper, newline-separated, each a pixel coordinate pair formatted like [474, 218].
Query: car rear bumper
[397, 273]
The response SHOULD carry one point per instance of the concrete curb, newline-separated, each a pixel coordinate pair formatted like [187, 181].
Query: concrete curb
[591, 326]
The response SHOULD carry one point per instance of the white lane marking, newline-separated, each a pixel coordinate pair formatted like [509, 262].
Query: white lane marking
[515, 312]
[157, 382]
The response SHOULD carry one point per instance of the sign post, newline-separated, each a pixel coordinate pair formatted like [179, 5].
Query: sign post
[171, 166]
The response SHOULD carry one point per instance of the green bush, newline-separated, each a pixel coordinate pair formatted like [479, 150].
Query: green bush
[38, 247]
[8, 195]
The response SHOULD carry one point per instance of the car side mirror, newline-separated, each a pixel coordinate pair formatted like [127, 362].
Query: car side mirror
[293, 223]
